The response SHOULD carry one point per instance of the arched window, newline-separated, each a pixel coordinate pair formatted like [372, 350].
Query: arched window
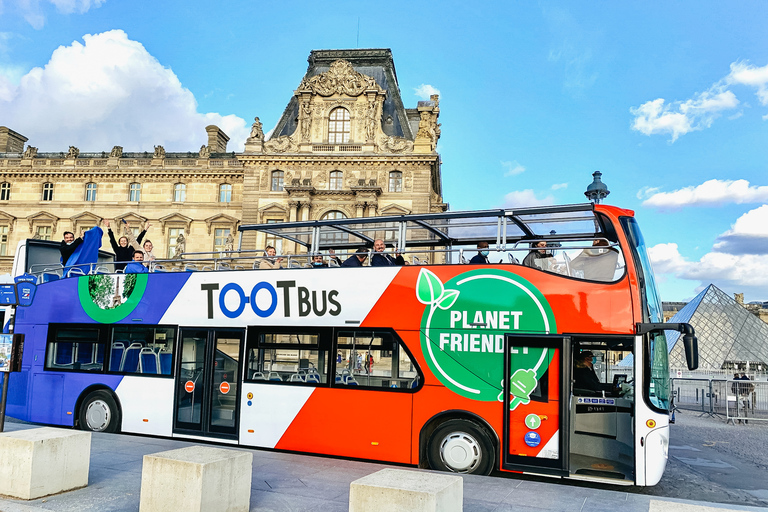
[330, 236]
[395, 181]
[5, 191]
[47, 191]
[179, 193]
[134, 193]
[337, 181]
[277, 181]
[90, 192]
[225, 193]
[338, 126]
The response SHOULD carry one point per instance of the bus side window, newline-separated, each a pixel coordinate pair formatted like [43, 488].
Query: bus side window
[142, 350]
[373, 359]
[72, 348]
[291, 358]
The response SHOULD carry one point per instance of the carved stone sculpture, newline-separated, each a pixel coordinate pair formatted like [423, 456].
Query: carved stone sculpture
[180, 246]
[305, 120]
[390, 144]
[281, 144]
[117, 152]
[229, 243]
[341, 78]
[205, 151]
[73, 152]
[30, 152]
[159, 152]
[257, 132]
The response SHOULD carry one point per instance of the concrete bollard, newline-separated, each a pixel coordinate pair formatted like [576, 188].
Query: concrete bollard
[42, 461]
[395, 490]
[196, 479]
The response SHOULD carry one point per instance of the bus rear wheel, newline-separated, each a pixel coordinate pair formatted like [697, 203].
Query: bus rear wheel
[461, 446]
[99, 413]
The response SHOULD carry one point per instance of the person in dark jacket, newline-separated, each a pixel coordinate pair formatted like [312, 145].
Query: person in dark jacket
[68, 246]
[123, 250]
[357, 259]
[584, 373]
[382, 259]
[482, 255]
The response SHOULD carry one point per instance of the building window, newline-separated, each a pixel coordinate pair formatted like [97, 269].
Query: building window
[395, 181]
[3, 240]
[336, 182]
[44, 232]
[220, 238]
[333, 236]
[5, 191]
[225, 193]
[135, 192]
[173, 235]
[338, 126]
[274, 240]
[90, 192]
[47, 191]
[179, 193]
[277, 181]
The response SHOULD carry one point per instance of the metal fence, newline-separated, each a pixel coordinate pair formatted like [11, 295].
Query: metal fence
[735, 400]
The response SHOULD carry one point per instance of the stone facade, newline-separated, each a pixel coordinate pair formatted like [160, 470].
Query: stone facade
[344, 147]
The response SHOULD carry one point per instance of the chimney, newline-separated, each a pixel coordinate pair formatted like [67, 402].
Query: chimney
[11, 141]
[217, 139]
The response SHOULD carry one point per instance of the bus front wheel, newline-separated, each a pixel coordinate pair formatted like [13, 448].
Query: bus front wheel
[461, 446]
[99, 413]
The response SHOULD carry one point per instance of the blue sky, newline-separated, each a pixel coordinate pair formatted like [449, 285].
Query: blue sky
[669, 100]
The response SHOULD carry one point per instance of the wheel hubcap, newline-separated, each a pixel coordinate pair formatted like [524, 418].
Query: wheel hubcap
[460, 452]
[97, 415]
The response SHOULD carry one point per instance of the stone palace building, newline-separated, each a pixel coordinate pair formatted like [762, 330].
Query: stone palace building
[345, 146]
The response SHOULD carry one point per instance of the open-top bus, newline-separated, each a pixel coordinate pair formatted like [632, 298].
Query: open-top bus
[438, 363]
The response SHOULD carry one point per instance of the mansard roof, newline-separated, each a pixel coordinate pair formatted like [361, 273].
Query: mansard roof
[372, 62]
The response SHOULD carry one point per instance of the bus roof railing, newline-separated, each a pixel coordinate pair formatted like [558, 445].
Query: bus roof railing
[439, 229]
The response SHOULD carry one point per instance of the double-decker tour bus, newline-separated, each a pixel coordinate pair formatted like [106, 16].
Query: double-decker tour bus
[508, 361]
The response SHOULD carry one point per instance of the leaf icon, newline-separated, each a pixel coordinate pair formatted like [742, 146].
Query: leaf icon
[447, 299]
[429, 288]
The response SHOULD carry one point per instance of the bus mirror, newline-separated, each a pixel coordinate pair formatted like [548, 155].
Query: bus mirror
[691, 345]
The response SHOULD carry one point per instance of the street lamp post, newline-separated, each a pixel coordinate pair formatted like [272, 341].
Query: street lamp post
[597, 190]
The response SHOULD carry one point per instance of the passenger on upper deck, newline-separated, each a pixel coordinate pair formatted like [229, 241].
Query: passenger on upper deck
[68, 245]
[382, 259]
[598, 264]
[123, 250]
[137, 265]
[317, 261]
[482, 254]
[270, 262]
[539, 257]
[357, 259]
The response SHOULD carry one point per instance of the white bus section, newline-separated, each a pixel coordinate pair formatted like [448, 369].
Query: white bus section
[143, 416]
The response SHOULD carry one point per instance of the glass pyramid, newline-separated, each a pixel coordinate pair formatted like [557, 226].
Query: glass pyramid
[726, 331]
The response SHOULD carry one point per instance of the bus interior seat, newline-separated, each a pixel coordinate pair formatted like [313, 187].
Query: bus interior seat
[333, 263]
[166, 361]
[414, 382]
[351, 381]
[130, 362]
[74, 271]
[149, 362]
[116, 356]
[313, 377]
[512, 259]
[274, 376]
[296, 378]
[339, 379]
[64, 354]
[258, 376]
[84, 353]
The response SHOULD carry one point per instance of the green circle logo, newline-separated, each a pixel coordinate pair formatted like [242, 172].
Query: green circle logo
[463, 328]
[108, 298]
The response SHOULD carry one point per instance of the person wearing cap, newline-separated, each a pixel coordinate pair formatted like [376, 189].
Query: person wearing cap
[584, 373]
[482, 255]
[357, 259]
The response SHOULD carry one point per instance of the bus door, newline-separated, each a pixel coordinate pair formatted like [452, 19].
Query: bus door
[207, 383]
[535, 419]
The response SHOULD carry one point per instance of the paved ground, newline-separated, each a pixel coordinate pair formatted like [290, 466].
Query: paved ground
[736, 458]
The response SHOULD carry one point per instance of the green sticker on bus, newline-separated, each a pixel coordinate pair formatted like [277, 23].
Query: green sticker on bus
[463, 328]
[109, 298]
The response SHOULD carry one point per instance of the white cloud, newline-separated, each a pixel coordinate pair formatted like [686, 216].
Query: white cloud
[558, 186]
[521, 198]
[677, 118]
[512, 168]
[34, 13]
[738, 261]
[709, 193]
[424, 91]
[109, 91]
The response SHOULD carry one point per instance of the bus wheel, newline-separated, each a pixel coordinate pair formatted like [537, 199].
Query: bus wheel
[461, 446]
[99, 413]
